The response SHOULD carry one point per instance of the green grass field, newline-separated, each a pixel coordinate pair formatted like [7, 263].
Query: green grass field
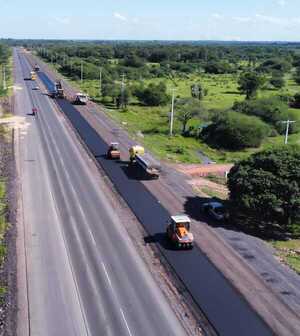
[152, 122]
[288, 251]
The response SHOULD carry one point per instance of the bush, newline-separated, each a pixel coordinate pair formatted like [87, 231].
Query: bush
[153, 95]
[271, 110]
[235, 131]
[296, 101]
[265, 189]
[277, 81]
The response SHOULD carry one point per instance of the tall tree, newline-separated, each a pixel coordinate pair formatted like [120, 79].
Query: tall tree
[187, 109]
[249, 83]
[265, 189]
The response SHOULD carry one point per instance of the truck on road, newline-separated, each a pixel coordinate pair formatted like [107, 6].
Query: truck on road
[32, 75]
[80, 99]
[178, 232]
[58, 91]
[145, 161]
[113, 151]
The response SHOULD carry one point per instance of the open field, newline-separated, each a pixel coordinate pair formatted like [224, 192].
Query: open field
[151, 123]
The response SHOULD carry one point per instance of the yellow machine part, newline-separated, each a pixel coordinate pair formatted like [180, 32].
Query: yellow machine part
[134, 150]
[181, 231]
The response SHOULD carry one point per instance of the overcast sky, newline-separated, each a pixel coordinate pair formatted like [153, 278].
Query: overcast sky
[152, 19]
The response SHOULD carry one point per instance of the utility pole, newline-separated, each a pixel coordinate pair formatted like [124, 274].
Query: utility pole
[4, 77]
[288, 122]
[122, 90]
[172, 112]
[81, 72]
[100, 82]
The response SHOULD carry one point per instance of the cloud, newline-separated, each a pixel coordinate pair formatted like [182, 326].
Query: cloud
[63, 20]
[119, 16]
[242, 19]
[271, 19]
[217, 16]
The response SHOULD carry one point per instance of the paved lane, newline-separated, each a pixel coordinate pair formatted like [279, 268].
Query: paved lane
[229, 313]
[117, 294]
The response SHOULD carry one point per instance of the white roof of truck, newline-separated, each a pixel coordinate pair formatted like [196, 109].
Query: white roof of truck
[181, 219]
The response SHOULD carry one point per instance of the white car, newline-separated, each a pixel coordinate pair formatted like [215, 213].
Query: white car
[215, 210]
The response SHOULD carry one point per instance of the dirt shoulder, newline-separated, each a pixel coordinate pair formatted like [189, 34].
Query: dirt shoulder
[8, 269]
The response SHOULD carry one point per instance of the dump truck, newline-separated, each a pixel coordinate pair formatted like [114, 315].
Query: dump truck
[178, 232]
[113, 151]
[58, 91]
[81, 99]
[145, 161]
[32, 75]
[36, 68]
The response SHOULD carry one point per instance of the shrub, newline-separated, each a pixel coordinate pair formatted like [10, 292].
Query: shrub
[153, 95]
[235, 131]
[271, 110]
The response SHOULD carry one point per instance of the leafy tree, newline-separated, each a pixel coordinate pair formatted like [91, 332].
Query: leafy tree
[249, 83]
[276, 64]
[122, 99]
[112, 91]
[235, 131]
[277, 80]
[133, 61]
[197, 91]
[271, 110]
[296, 101]
[153, 95]
[265, 189]
[218, 67]
[297, 75]
[187, 109]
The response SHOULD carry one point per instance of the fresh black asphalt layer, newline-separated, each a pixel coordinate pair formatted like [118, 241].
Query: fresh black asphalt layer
[226, 310]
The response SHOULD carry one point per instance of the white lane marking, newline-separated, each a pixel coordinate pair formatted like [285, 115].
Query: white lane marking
[107, 276]
[121, 310]
[92, 237]
[127, 326]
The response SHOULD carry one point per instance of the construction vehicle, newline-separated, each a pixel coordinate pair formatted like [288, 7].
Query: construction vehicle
[32, 75]
[178, 232]
[36, 68]
[81, 99]
[144, 160]
[58, 91]
[113, 151]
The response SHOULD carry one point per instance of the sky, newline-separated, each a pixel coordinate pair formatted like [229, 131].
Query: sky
[244, 20]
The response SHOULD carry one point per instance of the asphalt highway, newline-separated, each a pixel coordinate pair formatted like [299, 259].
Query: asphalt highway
[93, 282]
[228, 312]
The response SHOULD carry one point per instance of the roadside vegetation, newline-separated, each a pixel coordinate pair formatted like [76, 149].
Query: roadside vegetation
[7, 243]
[248, 89]
[288, 252]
